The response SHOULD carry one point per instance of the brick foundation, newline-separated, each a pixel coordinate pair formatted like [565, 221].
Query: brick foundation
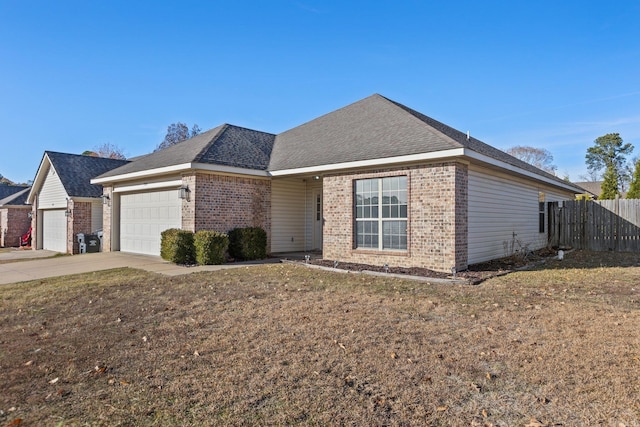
[437, 218]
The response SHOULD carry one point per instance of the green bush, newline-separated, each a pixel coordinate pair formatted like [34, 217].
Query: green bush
[177, 246]
[248, 243]
[210, 247]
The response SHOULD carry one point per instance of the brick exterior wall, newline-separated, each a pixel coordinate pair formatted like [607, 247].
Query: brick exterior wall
[223, 202]
[14, 222]
[78, 222]
[437, 218]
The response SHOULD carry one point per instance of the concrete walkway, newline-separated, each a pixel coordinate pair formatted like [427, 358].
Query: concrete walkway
[33, 265]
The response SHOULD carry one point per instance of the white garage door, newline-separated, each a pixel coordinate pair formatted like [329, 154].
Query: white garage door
[143, 216]
[54, 230]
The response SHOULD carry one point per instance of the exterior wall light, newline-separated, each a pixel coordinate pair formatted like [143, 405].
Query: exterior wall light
[105, 199]
[184, 193]
[67, 213]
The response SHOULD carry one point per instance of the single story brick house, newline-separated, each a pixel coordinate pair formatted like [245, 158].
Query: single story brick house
[14, 214]
[374, 182]
[63, 200]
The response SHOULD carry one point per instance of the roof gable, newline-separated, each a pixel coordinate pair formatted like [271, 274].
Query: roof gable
[75, 172]
[226, 145]
[372, 128]
[378, 128]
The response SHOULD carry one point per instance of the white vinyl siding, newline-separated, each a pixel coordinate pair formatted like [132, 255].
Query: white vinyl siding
[499, 206]
[54, 230]
[96, 216]
[287, 215]
[143, 216]
[313, 187]
[52, 194]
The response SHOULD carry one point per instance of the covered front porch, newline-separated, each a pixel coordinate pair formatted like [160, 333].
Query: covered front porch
[297, 215]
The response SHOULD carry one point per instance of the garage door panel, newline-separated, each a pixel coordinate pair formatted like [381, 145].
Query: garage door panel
[144, 216]
[54, 230]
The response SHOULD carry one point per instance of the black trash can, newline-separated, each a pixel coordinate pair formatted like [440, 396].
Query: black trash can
[93, 243]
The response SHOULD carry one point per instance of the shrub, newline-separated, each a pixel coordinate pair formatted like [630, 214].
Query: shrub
[248, 243]
[210, 247]
[177, 246]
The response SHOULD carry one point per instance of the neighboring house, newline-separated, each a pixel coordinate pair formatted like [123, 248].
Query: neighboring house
[63, 200]
[374, 182]
[14, 214]
[591, 188]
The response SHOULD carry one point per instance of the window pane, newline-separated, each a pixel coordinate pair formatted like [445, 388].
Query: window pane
[403, 211]
[385, 211]
[358, 212]
[402, 182]
[367, 234]
[394, 235]
[402, 197]
[374, 212]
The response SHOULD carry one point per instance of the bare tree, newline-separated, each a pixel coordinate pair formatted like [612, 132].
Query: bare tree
[177, 132]
[106, 150]
[538, 157]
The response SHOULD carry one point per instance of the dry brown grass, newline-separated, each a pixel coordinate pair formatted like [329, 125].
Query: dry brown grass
[287, 345]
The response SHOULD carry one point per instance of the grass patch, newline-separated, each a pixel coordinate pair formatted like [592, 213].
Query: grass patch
[287, 345]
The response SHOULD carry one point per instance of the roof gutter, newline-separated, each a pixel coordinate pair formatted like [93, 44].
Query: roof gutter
[437, 155]
[179, 168]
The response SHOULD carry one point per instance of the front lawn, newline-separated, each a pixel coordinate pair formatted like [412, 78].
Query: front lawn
[287, 345]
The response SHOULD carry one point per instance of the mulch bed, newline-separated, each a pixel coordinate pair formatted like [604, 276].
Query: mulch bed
[475, 273]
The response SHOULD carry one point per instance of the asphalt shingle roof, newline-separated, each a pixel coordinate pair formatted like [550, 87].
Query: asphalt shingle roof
[9, 190]
[76, 171]
[226, 145]
[593, 187]
[375, 128]
[372, 128]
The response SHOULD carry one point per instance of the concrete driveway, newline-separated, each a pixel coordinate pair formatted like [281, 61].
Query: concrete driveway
[31, 265]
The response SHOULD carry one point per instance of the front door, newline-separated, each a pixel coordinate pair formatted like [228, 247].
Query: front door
[317, 220]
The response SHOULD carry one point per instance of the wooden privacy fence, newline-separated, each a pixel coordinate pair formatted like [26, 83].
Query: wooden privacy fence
[603, 225]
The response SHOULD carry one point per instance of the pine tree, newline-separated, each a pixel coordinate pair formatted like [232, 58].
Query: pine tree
[634, 188]
[610, 185]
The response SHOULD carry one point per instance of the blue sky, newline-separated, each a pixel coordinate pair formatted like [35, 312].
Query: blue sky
[549, 74]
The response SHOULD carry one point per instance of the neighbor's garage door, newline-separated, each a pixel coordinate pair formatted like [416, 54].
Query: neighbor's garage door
[143, 216]
[54, 230]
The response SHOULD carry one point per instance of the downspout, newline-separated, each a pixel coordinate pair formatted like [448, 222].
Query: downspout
[306, 214]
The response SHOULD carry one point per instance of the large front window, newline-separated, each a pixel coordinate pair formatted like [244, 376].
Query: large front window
[381, 213]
